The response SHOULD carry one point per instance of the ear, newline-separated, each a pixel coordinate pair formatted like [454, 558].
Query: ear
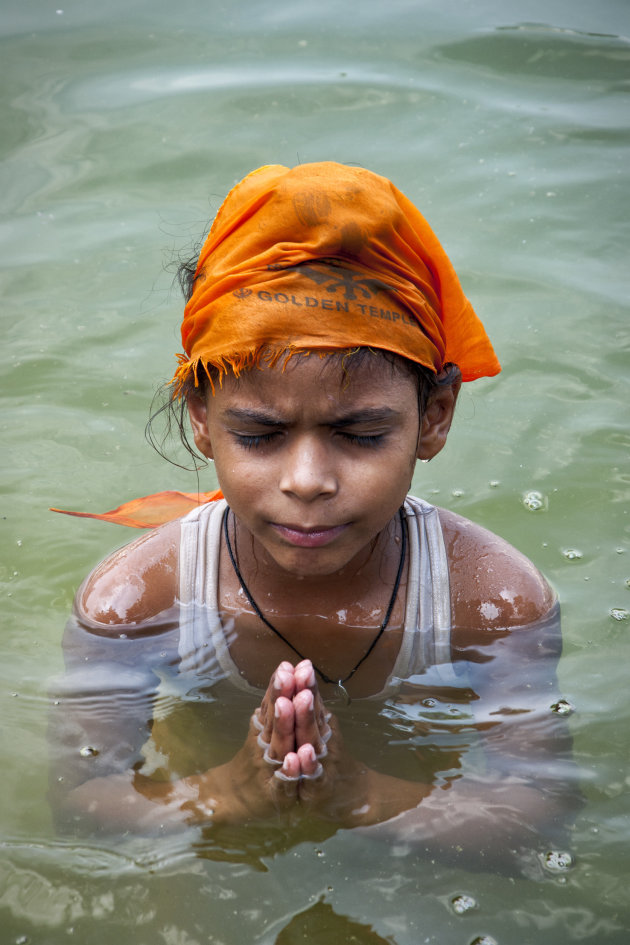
[437, 419]
[198, 413]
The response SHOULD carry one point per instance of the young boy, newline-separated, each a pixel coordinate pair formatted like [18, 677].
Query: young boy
[326, 338]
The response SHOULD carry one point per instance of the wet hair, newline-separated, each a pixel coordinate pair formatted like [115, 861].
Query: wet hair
[171, 408]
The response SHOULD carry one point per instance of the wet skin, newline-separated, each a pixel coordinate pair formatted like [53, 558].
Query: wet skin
[315, 465]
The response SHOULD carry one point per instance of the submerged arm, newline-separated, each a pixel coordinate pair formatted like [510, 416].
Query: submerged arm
[524, 793]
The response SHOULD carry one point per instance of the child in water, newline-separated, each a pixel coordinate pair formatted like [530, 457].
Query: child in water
[326, 337]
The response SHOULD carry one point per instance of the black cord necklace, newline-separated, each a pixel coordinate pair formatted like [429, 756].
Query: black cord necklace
[335, 682]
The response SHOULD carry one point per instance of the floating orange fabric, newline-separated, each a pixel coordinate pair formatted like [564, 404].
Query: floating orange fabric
[151, 510]
[326, 257]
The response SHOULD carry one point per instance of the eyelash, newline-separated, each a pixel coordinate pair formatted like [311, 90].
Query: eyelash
[251, 441]
[368, 440]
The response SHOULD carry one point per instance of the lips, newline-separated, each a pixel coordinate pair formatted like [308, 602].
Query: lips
[314, 537]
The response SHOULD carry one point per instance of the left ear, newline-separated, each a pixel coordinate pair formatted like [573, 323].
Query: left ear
[437, 419]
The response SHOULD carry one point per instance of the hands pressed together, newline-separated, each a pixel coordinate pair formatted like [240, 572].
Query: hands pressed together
[293, 724]
[293, 759]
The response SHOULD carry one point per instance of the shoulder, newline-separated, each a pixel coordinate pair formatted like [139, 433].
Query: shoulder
[493, 586]
[134, 585]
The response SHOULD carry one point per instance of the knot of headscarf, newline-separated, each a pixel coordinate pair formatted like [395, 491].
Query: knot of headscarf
[325, 257]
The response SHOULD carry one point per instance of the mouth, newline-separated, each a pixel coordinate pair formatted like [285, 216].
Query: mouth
[308, 536]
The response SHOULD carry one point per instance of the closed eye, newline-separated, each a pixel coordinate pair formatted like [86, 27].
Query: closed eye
[251, 441]
[363, 439]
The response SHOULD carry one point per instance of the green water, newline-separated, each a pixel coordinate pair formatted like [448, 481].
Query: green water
[122, 127]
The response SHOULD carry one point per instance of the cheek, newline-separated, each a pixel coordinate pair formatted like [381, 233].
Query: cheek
[241, 474]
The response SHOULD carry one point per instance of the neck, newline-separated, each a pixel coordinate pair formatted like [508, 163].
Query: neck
[335, 679]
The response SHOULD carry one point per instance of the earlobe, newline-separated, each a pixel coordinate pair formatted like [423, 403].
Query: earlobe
[198, 413]
[436, 421]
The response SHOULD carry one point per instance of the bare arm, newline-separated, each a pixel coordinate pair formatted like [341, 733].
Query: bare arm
[293, 761]
[506, 639]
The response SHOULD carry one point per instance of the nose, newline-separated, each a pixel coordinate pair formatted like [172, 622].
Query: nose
[308, 470]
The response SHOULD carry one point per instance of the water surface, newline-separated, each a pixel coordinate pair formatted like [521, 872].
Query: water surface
[123, 126]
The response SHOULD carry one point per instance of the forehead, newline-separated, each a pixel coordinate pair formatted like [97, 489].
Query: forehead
[305, 383]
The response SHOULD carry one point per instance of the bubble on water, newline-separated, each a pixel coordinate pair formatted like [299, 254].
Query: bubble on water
[534, 501]
[88, 752]
[572, 554]
[22, 940]
[494, 483]
[557, 861]
[457, 493]
[484, 940]
[429, 703]
[619, 613]
[562, 707]
[627, 582]
[462, 904]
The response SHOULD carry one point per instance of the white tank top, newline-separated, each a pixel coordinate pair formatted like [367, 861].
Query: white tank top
[204, 638]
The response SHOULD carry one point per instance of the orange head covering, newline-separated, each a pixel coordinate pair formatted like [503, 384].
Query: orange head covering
[326, 257]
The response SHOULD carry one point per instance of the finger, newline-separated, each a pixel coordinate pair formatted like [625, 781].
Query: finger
[305, 678]
[285, 783]
[281, 684]
[282, 736]
[310, 767]
[307, 728]
[291, 767]
[304, 675]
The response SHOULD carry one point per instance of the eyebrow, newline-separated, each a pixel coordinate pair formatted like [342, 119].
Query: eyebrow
[355, 417]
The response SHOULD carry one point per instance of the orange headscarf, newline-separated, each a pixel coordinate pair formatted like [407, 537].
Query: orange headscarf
[319, 257]
[326, 257]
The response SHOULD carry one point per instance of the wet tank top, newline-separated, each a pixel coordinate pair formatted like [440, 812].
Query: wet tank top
[203, 640]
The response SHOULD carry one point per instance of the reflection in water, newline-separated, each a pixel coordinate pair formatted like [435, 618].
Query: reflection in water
[320, 925]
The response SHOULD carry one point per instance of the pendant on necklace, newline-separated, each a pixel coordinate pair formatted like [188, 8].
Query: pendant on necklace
[343, 692]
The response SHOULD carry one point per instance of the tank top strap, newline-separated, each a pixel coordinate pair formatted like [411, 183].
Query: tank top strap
[203, 647]
[427, 630]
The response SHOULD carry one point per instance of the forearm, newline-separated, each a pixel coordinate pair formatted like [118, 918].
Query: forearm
[226, 794]
[114, 804]
[482, 823]
[380, 798]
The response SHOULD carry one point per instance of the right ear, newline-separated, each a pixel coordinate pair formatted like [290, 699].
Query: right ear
[198, 413]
